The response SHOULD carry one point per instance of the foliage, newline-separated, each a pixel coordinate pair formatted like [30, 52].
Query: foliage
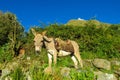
[96, 39]
[37, 73]
[86, 74]
[5, 55]
[102, 41]
[11, 31]
[82, 23]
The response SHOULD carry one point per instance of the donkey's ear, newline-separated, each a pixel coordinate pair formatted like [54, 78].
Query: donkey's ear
[46, 39]
[33, 31]
[43, 33]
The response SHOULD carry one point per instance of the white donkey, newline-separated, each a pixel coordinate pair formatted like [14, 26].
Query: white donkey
[57, 47]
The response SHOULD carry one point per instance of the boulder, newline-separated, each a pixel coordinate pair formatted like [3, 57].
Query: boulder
[102, 63]
[104, 76]
[117, 63]
[4, 73]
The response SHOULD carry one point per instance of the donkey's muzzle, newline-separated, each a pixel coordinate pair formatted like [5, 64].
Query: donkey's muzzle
[37, 52]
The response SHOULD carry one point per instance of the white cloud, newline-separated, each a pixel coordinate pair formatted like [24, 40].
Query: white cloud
[80, 19]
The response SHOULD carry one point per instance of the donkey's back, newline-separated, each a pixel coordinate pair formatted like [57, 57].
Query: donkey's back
[64, 45]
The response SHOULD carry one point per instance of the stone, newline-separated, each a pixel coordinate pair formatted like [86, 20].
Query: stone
[117, 63]
[117, 72]
[65, 72]
[4, 73]
[28, 76]
[102, 63]
[104, 76]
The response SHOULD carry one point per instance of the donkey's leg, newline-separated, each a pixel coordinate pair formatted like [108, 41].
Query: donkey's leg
[54, 53]
[55, 58]
[76, 52]
[48, 70]
[50, 59]
[77, 55]
[75, 61]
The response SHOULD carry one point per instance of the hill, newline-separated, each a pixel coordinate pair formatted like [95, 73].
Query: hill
[82, 23]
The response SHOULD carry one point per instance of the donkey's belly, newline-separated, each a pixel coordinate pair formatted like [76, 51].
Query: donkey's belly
[63, 53]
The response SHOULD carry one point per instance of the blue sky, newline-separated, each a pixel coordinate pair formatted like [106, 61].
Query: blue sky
[36, 12]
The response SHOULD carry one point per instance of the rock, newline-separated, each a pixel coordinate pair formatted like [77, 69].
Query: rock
[28, 77]
[116, 66]
[104, 76]
[5, 72]
[117, 72]
[117, 63]
[102, 63]
[65, 72]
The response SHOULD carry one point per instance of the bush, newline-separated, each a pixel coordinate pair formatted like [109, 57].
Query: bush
[102, 41]
[5, 54]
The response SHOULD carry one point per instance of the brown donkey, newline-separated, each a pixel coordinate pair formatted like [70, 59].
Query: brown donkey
[57, 47]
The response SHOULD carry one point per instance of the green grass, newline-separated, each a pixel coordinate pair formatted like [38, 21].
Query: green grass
[37, 73]
[39, 63]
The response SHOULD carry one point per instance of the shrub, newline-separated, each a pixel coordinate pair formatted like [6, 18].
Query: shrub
[5, 54]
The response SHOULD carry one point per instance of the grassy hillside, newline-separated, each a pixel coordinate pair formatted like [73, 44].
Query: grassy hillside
[95, 39]
[83, 23]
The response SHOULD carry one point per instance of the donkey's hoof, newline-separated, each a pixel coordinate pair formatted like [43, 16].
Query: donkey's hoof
[48, 70]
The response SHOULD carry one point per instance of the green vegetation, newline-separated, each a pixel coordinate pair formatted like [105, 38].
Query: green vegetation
[18, 74]
[99, 40]
[36, 73]
[102, 42]
[11, 31]
[5, 54]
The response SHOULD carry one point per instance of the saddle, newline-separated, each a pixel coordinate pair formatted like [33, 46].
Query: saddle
[63, 45]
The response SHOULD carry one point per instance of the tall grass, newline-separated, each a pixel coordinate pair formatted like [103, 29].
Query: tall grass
[37, 73]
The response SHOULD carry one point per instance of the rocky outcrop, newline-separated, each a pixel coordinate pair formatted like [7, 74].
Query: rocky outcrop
[102, 63]
[103, 66]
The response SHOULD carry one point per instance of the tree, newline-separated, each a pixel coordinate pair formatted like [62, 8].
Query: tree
[11, 31]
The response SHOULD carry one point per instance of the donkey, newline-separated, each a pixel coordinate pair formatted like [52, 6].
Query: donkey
[57, 47]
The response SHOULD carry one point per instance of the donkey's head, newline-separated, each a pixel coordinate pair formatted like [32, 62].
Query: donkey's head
[38, 40]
